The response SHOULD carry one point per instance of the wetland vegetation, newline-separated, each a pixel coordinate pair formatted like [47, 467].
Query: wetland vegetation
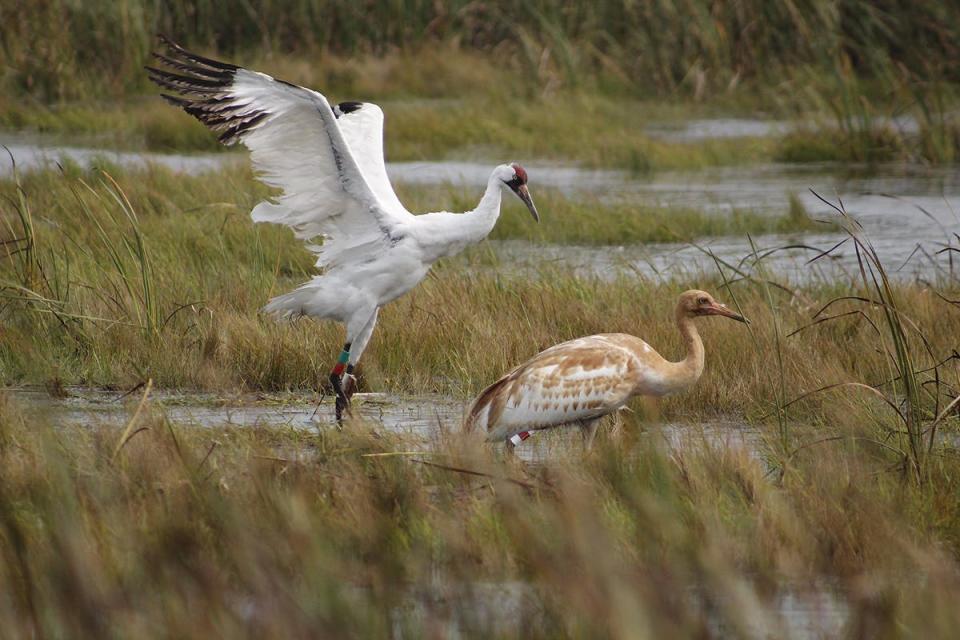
[572, 81]
[842, 520]
[253, 532]
[115, 279]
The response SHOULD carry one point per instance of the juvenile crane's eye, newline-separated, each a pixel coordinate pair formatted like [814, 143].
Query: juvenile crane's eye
[702, 301]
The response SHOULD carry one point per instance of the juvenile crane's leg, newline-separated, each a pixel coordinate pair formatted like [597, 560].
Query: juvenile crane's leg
[588, 429]
[359, 344]
[514, 440]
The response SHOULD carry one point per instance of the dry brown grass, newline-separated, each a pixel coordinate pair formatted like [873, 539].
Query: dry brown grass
[85, 304]
[272, 532]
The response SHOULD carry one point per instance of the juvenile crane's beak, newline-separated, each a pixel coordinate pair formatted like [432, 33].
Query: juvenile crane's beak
[717, 309]
[524, 194]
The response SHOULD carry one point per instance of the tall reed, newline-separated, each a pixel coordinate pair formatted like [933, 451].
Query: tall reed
[912, 392]
[60, 49]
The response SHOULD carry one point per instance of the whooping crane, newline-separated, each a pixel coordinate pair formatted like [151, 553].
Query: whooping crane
[327, 161]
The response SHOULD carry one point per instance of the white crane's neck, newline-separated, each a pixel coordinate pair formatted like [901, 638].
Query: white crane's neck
[446, 234]
[685, 373]
[480, 222]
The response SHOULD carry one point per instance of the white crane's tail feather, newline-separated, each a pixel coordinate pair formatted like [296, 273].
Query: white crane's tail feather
[274, 213]
[318, 298]
[302, 301]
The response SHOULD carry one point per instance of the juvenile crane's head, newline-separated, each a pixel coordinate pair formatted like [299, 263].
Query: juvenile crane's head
[696, 303]
[515, 177]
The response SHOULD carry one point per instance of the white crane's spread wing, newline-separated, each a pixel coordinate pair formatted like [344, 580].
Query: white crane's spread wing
[576, 380]
[332, 178]
[361, 124]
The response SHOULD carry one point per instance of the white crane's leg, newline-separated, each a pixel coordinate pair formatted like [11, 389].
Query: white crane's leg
[359, 344]
[588, 429]
[356, 326]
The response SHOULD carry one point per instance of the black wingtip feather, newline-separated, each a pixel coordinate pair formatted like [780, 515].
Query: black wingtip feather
[344, 108]
[203, 72]
[204, 89]
[176, 101]
[350, 106]
[177, 50]
[234, 133]
[189, 82]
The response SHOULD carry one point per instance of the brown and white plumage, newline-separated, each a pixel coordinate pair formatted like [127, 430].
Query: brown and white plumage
[582, 380]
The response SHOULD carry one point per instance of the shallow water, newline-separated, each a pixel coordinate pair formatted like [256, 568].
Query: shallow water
[903, 258]
[414, 415]
[908, 213]
[796, 612]
[717, 128]
[28, 156]
[421, 419]
[699, 130]
[507, 609]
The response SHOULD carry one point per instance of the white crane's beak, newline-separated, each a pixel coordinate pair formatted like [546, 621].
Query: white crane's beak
[524, 194]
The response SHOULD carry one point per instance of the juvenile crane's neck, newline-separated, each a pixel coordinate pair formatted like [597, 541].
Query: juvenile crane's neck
[685, 373]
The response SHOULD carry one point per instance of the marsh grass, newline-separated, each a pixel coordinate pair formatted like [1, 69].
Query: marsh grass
[589, 129]
[275, 532]
[491, 127]
[585, 219]
[61, 49]
[162, 276]
[919, 389]
[545, 90]
[558, 81]
[846, 118]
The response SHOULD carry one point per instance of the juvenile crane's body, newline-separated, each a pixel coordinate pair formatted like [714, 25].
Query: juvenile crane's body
[580, 381]
[327, 163]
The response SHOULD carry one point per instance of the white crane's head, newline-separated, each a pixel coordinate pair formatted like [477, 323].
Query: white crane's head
[695, 303]
[515, 177]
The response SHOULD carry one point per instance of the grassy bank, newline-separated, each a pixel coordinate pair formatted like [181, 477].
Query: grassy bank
[59, 49]
[588, 130]
[270, 532]
[560, 81]
[587, 220]
[161, 276]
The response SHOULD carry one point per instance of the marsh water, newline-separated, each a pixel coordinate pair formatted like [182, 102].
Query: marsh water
[510, 609]
[421, 419]
[794, 611]
[910, 214]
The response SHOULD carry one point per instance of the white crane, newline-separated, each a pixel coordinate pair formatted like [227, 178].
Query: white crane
[327, 161]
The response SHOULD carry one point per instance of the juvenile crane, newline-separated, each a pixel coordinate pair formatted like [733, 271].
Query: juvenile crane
[327, 162]
[581, 381]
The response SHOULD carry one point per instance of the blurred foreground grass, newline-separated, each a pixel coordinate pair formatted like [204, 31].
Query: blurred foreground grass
[267, 532]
